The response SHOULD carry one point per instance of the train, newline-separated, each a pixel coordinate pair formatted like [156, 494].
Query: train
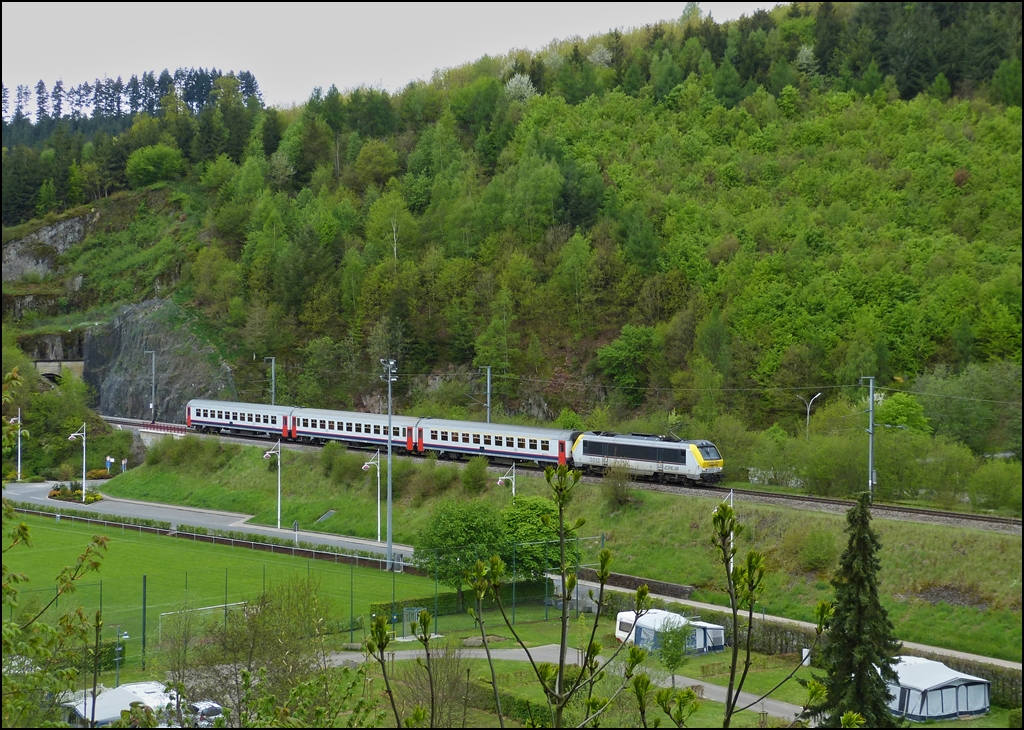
[647, 456]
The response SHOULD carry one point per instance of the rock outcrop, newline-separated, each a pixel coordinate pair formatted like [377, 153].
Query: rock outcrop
[37, 253]
[119, 370]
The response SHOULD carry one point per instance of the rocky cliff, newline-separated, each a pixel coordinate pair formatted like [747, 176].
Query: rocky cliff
[119, 370]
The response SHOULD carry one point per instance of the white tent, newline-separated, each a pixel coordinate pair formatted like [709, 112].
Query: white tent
[645, 631]
[930, 690]
[111, 702]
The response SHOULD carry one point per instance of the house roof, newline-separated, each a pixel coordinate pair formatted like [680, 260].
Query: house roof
[924, 674]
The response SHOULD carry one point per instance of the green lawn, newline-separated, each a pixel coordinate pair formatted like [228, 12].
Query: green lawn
[944, 586]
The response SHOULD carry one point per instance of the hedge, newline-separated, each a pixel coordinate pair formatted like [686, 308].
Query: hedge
[448, 601]
[69, 512]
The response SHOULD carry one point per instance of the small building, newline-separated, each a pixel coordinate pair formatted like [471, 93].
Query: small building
[929, 690]
[645, 631]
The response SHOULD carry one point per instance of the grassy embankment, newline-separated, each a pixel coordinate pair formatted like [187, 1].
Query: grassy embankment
[952, 587]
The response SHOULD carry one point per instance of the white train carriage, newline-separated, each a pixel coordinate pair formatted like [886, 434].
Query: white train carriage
[214, 416]
[455, 439]
[648, 455]
[365, 429]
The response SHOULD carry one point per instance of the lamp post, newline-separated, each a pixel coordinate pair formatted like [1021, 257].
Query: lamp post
[871, 435]
[375, 461]
[510, 475]
[273, 378]
[276, 451]
[808, 403]
[152, 390]
[390, 375]
[18, 420]
[72, 437]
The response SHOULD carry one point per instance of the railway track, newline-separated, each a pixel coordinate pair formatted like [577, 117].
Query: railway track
[993, 523]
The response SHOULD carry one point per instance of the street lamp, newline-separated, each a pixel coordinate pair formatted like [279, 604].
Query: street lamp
[808, 403]
[390, 375]
[375, 461]
[118, 649]
[18, 421]
[72, 437]
[276, 451]
[152, 391]
[510, 475]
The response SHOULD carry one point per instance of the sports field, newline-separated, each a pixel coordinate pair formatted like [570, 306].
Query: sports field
[179, 572]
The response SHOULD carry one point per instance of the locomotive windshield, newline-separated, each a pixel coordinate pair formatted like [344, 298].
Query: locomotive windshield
[709, 452]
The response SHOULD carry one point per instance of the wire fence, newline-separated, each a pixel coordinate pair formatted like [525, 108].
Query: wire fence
[357, 588]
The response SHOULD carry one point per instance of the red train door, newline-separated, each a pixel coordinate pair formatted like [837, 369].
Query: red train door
[188, 417]
[408, 439]
[295, 427]
[284, 426]
[420, 436]
[561, 453]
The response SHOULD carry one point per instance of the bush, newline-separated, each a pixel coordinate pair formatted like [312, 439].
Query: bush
[73, 493]
[996, 485]
[192, 453]
[148, 165]
[615, 487]
[331, 451]
[818, 552]
[474, 475]
[98, 474]
[1015, 718]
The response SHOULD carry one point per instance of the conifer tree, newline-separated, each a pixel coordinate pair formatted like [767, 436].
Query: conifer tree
[859, 655]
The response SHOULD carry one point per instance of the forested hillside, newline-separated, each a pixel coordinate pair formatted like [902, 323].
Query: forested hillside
[689, 223]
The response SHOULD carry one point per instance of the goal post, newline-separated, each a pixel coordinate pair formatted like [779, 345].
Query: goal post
[202, 615]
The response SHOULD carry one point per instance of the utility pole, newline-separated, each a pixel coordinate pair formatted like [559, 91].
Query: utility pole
[152, 390]
[808, 403]
[273, 378]
[871, 435]
[390, 375]
[488, 369]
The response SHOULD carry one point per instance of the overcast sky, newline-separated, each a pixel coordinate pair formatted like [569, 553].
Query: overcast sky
[292, 48]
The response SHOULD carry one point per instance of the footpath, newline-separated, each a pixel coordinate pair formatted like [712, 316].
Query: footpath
[549, 653]
[36, 494]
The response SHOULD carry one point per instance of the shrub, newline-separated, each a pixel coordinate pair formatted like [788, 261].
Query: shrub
[1015, 718]
[148, 165]
[474, 475]
[98, 474]
[331, 451]
[818, 551]
[615, 487]
[996, 485]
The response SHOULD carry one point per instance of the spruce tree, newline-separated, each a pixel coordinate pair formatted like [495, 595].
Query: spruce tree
[859, 655]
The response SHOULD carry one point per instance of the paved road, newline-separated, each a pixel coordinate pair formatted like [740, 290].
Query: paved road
[35, 493]
[549, 653]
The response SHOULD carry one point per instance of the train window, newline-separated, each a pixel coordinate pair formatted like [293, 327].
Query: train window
[455, 437]
[273, 420]
[403, 431]
[533, 444]
[510, 442]
[220, 414]
[522, 443]
[234, 416]
[476, 438]
[330, 425]
[323, 425]
[487, 439]
[305, 423]
[376, 428]
[444, 435]
[465, 438]
[545, 446]
[359, 428]
[433, 435]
